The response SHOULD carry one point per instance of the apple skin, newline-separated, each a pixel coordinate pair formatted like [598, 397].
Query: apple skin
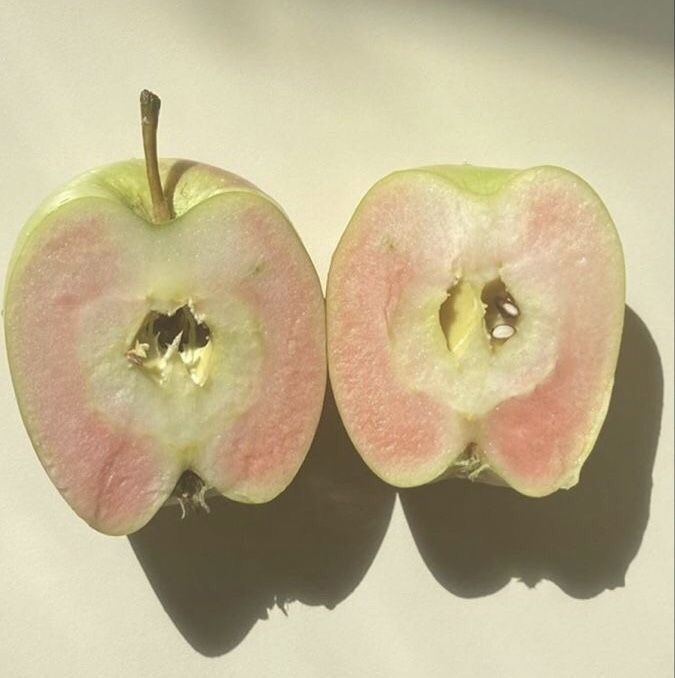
[87, 268]
[417, 410]
[187, 182]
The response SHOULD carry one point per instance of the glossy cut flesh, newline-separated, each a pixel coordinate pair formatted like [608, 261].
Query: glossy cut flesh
[530, 411]
[86, 272]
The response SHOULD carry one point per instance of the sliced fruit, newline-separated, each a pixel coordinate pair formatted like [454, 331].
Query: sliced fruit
[474, 322]
[146, 355]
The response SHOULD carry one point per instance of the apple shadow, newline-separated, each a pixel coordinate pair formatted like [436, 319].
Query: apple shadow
[216, 575]
[475, 538]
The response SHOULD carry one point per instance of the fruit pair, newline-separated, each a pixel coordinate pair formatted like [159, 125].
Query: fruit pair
[165, 332]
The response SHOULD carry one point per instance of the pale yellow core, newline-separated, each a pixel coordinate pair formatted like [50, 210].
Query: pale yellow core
[461, 317]
[166, 342]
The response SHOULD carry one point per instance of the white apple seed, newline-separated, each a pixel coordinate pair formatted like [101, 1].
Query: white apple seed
[508, 308]
[503, 332]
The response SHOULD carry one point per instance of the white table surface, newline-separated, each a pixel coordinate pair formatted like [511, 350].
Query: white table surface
[314, 101]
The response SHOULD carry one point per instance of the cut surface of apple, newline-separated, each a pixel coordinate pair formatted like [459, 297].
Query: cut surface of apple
[474, 322]
[140, 351]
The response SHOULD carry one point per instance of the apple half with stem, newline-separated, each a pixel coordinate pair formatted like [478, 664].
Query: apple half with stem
[474, 319]
[166, 335]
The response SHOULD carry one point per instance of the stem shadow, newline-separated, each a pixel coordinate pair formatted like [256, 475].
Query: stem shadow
[475, 538]
[216, 575]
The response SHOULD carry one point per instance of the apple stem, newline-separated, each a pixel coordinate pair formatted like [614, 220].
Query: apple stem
[150, 104]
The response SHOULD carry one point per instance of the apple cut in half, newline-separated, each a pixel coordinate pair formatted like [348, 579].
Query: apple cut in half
[474, 319]
[164, 347]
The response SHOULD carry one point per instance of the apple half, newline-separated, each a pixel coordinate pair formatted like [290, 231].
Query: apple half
[155, 356]
[474, 319]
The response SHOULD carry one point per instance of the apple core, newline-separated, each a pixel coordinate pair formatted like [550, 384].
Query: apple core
[490, 314]
[177, 339]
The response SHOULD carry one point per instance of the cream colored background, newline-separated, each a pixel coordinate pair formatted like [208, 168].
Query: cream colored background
[314, 101]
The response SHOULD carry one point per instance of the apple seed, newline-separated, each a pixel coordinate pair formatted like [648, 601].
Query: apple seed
[502, 331]
[507, 308]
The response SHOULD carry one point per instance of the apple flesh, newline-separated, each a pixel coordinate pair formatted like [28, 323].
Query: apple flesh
[474, 319]
[147, 355]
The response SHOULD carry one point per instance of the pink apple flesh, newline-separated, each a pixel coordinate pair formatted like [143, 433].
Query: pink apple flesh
[474, 322]
[116, 421]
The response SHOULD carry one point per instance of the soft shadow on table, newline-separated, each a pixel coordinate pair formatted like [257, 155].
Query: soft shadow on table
[216, 575]
[474, 538]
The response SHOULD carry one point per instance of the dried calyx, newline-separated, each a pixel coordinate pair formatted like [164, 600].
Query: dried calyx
[190, 493]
